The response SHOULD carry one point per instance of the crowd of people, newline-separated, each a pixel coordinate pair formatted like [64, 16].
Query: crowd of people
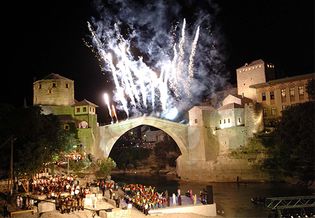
[68, 195]
[144, 198]
[65, 190]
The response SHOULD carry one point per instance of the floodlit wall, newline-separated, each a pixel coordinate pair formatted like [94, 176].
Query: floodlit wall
[53, 92]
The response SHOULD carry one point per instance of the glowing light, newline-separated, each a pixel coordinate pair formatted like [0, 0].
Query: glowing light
[171, 114]
[106, 99]
[115, 115]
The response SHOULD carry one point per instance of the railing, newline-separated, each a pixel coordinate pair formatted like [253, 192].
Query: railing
[286, 203]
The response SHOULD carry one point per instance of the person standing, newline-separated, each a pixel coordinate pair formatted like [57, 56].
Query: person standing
[110, 193]
[117, 200]
[174, 199]
[5, 209]
[167, 198]
[103, 187]
[179, 200]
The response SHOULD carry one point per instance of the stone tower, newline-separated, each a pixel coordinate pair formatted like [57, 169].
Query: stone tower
[53, 90]
[254, 73]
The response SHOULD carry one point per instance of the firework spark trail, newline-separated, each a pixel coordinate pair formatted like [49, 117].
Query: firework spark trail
[171, 75]
[180, 60]
[191, 57]
[128, 69]
[120, 91]
[106, 99]
[135, 80]
[114, 112]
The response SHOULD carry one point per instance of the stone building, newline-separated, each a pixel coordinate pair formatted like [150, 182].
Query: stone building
[255, 72]
[53, 90]
[55, 95]
[258, 103]
[276, 95]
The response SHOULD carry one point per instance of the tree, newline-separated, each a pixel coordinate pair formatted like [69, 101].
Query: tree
[38, 137]
[105, 167]
[293, 153]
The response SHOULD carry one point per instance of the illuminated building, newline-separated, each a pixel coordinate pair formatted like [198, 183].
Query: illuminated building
[277, 95]
[55, 95]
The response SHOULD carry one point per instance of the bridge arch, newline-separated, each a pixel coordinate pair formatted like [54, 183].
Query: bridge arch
[109, 134]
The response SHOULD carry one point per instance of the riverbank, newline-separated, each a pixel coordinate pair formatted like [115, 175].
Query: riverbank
[170, 173]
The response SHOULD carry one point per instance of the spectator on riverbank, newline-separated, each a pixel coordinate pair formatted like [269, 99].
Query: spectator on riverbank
[142, 197]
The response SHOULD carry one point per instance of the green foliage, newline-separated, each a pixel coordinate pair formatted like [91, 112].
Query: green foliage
[253, 148]
[79, 165]
[293, 153]
[105, 167]
[38, 138]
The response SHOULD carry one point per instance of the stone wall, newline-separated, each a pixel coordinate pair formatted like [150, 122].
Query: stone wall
[253, 119]
[53, 92]
[231, 138]
[250, 75]
[224, 169]
[57, 110]
[88, 140]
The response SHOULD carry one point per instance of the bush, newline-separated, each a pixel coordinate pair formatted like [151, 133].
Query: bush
[105, 167]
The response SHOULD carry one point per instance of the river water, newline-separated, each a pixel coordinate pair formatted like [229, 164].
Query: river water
[233, 199]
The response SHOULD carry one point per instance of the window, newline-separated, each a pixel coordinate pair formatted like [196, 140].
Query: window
[263, 96]
[224, 120]
[54, 85]
[220, 122]
[78, 110]
[292, 97]
[67, 85]
[229, 120]
[273, 111]
[301, 90]
[40, 86]
[239, 119]
[265, 111]
[283, 94]
[196, 121]
[84, 109]
[272, 95]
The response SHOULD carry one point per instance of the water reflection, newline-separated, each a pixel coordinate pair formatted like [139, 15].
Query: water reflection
[233, 199]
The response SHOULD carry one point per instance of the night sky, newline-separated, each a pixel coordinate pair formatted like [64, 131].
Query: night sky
[47, 37]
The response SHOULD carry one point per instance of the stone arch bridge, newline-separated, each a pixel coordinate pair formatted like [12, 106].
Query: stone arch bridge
[193, 141]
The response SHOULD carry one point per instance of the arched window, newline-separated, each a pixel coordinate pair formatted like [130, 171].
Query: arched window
[83, 125]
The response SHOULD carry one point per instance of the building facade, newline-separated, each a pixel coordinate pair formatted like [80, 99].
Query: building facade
[276, 95]
[55, 95]
[255, 72]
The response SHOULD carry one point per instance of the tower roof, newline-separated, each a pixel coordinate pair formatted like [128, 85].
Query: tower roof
[284, 80]
[55, 76]
[230, 106]
[253, 63]
[85, 102]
